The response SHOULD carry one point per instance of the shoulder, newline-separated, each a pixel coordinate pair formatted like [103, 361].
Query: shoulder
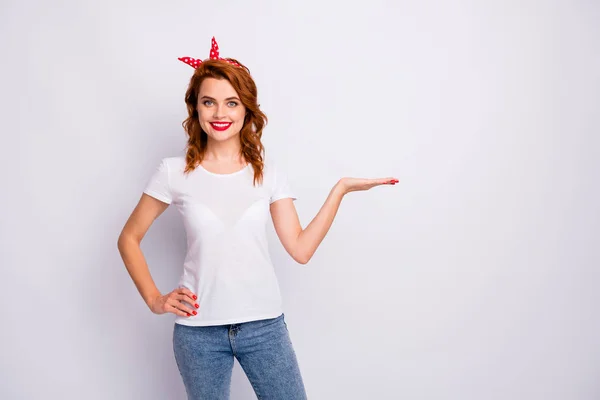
[271, 165]
[270, 170]
[174, 164]
[275, 177]
[174, 161]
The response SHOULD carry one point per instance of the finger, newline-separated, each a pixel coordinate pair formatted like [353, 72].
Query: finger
[188, 293]
[389, 181]
[186, 299]
[172, 309]
[182, 307]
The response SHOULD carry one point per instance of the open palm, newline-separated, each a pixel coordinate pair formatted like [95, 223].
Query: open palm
[356, 184]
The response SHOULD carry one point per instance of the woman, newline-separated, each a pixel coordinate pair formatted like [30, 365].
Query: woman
[228, 302]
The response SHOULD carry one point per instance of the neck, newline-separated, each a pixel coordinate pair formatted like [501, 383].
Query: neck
[229, 151]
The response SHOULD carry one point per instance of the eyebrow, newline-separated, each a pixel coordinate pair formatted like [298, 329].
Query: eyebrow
[210, 98]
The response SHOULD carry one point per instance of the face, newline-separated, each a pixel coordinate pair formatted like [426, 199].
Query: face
[220, 110]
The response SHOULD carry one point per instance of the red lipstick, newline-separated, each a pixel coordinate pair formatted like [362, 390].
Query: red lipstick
[220, 126]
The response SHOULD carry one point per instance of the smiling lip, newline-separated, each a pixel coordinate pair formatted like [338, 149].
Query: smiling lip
[220, 126]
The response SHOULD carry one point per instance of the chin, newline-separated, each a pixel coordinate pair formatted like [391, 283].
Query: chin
[222, 136]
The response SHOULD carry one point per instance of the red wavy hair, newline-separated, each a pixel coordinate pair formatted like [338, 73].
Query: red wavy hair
[239, 77]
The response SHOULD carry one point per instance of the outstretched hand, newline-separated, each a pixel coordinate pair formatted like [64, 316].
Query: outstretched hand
[356, 184]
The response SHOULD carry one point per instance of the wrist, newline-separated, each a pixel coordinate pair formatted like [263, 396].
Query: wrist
[340, 188]
[149, 299]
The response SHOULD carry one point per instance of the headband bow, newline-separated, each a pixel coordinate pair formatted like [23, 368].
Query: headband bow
[214, 55]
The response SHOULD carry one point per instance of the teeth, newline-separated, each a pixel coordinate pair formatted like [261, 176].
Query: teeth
[221, 124]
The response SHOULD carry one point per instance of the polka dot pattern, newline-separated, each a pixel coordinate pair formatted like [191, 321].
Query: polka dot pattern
[190, 61]
[214, 50]
[214, 55]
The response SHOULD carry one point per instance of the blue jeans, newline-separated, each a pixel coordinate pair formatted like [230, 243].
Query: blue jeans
[204, 356]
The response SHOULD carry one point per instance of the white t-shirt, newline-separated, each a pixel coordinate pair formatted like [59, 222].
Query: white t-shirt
[227, 264]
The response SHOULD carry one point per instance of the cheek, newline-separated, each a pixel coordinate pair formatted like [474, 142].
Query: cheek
[203, 115]
[239, 115]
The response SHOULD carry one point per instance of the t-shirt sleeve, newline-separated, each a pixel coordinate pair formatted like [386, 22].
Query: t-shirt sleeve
[281, 188]
[158, 185]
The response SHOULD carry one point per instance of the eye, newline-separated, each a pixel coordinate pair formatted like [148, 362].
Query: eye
[207, 103]
[232, 103]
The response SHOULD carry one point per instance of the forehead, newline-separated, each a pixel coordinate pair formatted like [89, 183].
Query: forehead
[216, 88]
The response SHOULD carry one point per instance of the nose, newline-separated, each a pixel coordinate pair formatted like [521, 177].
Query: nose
[218, 112]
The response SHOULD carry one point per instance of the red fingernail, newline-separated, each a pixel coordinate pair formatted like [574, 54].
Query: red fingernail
[194, 312]
[195, 297]
[196, 305]
[188, 314]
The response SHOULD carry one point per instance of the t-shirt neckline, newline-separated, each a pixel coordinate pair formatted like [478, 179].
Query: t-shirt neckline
[225, 175]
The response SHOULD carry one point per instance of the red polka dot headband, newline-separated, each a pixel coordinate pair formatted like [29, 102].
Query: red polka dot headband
[214, 55]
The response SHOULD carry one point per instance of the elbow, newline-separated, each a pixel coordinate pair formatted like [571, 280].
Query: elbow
[121, 242]
[123, 236]
[300, 252]
[302, 258]
[124, 240]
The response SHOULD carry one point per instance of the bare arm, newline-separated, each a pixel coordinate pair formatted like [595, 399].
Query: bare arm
[140, 220]
[301, 244]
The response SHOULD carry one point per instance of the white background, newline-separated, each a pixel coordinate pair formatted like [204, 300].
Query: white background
[476, 277]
